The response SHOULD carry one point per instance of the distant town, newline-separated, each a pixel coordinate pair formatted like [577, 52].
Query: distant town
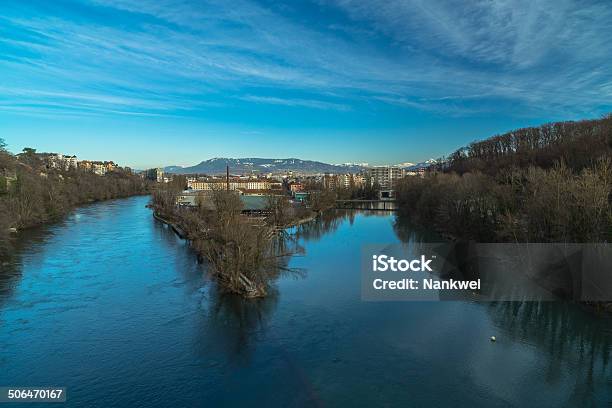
[298, 184]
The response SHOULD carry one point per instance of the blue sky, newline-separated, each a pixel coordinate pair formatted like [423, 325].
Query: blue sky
[161, 82]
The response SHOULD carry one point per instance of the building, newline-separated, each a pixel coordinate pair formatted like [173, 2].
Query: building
[386, 176]
[234, 184]
[110, 166]
[359, 180]
[60, 162]
[86, 165]
[252, 205]
[155, 175]
[296, 187]
[350, 180]
[71, 162]
[330, 181]
[301, 196]
[98, 168]
[347, 180]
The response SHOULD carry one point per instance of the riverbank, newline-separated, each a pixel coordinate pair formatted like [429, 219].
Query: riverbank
[34, 192]
[10, 232]
[302, 220]
[177, 230]
[58, 216]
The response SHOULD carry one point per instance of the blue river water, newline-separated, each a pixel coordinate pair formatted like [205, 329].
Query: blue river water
[113, 306]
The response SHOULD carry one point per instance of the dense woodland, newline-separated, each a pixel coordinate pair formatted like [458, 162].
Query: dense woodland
[31, 194]
[551, 183]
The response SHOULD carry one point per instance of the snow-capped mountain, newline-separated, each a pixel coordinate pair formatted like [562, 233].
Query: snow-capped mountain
[257, 165]
[420, 165]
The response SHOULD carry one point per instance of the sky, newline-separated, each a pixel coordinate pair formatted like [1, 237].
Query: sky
[173, 82]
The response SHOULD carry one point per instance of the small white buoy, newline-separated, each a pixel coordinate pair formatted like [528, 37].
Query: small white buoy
[493, 338]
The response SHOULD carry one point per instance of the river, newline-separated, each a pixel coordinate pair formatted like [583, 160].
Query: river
[112, 305]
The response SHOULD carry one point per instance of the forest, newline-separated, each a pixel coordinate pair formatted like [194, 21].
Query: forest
[551, 183]
[32, 194]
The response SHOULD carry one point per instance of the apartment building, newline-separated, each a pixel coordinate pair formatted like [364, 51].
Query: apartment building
[350, 180]
[86, 165]
[330, 181]
[386, 176]
[155, 175]
[61, 162]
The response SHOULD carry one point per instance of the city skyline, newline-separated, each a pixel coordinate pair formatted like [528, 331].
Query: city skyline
[177, 82]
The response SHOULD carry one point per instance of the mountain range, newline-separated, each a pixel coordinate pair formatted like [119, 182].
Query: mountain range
[411, 166]
[217, 165]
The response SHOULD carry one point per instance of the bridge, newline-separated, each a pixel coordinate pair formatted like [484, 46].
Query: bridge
[370, 205]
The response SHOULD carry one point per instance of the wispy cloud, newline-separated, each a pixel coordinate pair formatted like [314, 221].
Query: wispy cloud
[172, 57]
[308, 103]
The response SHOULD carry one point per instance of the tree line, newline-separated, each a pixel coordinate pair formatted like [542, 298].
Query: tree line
[551, 183]
[577, 144]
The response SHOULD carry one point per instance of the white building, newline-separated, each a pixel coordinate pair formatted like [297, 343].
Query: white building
[386, 176]
[99, 169]
[61, 162]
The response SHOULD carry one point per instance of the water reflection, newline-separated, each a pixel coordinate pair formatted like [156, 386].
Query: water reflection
[28, 241]
[193, 277]
[329, 221]
[231, 325]
[409, 232]
[571, 337]
[560, 327]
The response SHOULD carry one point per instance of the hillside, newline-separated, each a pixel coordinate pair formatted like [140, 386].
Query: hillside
[31, 193]
[575, 143]
[551, 183]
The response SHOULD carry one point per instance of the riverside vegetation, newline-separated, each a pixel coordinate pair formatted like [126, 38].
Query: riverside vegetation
[244, 254]
[31, 194]
[551, 183]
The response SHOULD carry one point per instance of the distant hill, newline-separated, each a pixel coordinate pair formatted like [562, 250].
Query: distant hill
[257, 165]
